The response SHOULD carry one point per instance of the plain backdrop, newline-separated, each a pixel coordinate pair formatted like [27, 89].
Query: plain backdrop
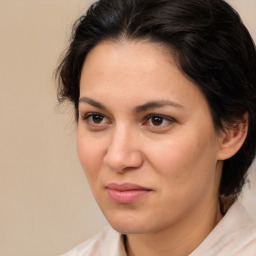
[46, 204]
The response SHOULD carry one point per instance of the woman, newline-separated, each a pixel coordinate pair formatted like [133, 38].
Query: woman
[165, 99]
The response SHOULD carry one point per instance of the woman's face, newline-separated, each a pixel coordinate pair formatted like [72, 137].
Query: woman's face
[146, 139]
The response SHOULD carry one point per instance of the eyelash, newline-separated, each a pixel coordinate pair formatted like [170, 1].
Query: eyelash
[87, 117]
[169, 120]
[90, 115]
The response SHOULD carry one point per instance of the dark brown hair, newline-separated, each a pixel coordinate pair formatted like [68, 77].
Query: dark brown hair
[212, 46]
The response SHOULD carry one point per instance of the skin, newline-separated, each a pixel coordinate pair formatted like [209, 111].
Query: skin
[179, 157]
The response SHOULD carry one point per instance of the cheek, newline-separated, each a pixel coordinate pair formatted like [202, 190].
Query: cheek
[185, 175]
[90, 156]
[184, 162]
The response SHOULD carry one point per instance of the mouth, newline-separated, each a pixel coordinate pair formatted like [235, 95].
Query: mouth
[126, 193]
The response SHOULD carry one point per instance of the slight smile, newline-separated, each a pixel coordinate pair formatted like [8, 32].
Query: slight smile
[126, 193]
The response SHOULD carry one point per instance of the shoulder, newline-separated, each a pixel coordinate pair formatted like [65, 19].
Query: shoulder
[107, 242]
[235, 234]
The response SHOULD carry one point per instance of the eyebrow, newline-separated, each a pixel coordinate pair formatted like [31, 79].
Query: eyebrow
[138, 109]
[92, 102]
[157, 104]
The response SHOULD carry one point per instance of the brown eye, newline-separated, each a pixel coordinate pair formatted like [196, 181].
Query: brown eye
[97, 119]
[157, 120]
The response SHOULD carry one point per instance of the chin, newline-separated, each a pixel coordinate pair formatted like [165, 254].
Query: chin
[128, 229]
[128, 224]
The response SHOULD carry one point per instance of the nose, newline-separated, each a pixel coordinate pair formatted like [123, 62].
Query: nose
[123, 152]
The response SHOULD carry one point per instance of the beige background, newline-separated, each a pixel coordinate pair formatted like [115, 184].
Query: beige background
[46, 205]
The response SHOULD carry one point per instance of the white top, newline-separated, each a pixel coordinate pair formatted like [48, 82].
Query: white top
[234, 235]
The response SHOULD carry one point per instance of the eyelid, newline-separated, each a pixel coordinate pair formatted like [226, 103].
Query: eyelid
[160, 115]
[86, 117]
[169, 119]
[89, 114]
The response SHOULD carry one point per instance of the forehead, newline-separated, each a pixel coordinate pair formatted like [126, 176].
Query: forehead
[129, 59]
[141, 54]
[135, 70]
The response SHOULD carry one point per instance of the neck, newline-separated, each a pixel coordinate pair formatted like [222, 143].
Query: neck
[180, 239]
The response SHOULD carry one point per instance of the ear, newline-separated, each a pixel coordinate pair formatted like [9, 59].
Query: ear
[232, 138]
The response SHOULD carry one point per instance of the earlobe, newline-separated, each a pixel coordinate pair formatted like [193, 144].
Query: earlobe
[232, 139]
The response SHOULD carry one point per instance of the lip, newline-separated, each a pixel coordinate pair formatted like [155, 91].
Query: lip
[126, 193]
